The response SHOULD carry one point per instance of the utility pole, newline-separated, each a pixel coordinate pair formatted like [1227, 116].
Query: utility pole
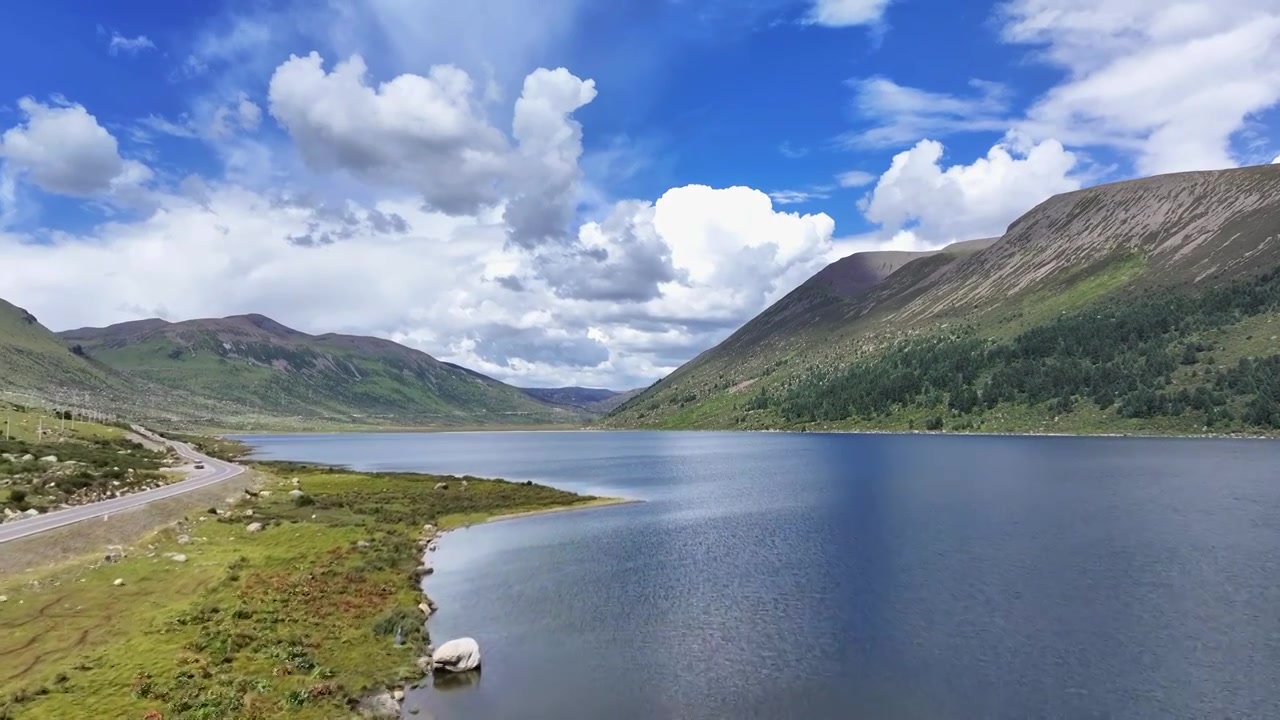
[40, 430]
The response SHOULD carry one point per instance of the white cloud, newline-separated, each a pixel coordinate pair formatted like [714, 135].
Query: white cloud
[847, 13]
[545, 172]
[795, 197]
[130, 46]
[655, 284]
[1171, 83]
[63, 149]
[855, 179]
[1276, 161]
[899, 115]
[426, 133]
[938, 205]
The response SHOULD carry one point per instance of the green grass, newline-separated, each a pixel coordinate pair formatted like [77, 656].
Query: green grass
[1083, 288]
[294, 621]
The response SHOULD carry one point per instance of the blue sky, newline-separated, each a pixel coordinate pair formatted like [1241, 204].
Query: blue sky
[675, 166]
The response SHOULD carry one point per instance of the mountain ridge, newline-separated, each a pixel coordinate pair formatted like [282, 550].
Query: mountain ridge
[1180, 235]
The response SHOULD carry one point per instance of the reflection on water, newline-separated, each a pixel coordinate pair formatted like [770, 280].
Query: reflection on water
[446, 682]
[837, 576]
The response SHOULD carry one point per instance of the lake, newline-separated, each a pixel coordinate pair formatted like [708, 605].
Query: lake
[848, 576]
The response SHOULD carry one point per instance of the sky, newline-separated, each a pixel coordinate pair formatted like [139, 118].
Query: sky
[585, 192]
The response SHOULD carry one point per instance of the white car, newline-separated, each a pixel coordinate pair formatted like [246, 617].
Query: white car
[199, 466]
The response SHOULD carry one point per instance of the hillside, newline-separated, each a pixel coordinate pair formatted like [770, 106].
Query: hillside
[1142, 306]
[592, 400]
[276, 373]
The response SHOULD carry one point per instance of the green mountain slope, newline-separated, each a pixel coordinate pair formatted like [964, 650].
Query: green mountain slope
[1144, 306]
[274, 372]
[32, 357]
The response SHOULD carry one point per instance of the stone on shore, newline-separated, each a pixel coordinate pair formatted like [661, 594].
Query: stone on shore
[460, 655]
[398, 695]
[381, 705]
[432, 546]
[428, 529]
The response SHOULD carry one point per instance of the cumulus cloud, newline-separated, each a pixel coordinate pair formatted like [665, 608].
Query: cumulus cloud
[129, 45]
[422, 132]
[1169, 82]
[919, 202]
[545, 171]
[847, 13]
[62, 149]
[639, 292]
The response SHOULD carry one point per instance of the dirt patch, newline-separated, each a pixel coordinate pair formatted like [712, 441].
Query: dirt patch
[743, 385]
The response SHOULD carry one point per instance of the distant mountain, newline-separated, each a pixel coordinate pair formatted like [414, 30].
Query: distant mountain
[595, 400]
[1123, 307]
[274, 372]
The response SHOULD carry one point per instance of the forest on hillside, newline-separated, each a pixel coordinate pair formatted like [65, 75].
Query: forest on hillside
[1137, 358]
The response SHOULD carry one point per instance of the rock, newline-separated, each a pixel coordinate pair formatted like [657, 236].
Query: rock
[265, 493]
[296, 493]
[424, 663]
[114, 553]
[178, 557]
[119, 582]
[426, 570]
[248, 513]
[426, 609]
[459, 655]
[49, 459]
[253, 527]
[362, 544]
[428, 529]
[184, 539]
[295, 482]
[4, 598]
[32, 512]
[432, 546]
[381, 705]
[442, 486]
[464, 484]
[398, 695]
[28, 457]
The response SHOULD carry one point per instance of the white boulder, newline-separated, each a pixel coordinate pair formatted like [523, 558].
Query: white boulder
[178, 557]
[296, 493]
[459, 655]
[253, 527]
[49, 459]
[119, 582]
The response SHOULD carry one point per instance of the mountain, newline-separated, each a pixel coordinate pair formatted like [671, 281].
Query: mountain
[274, 373]
[594, 400]
[1125, 307]
[31, 356]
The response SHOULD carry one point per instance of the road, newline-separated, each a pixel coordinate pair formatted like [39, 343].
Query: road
[215, 471]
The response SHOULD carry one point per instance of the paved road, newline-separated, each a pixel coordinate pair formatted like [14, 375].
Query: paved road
[215, 471]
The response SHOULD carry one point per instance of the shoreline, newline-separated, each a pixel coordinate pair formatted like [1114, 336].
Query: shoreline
[753, 431]
[600, 502]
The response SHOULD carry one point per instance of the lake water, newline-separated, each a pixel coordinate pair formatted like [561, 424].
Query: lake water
[848, 576]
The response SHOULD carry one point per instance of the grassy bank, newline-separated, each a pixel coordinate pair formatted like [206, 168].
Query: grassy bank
[297, 619]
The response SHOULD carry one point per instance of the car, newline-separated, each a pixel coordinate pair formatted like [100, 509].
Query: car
[199, 466]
